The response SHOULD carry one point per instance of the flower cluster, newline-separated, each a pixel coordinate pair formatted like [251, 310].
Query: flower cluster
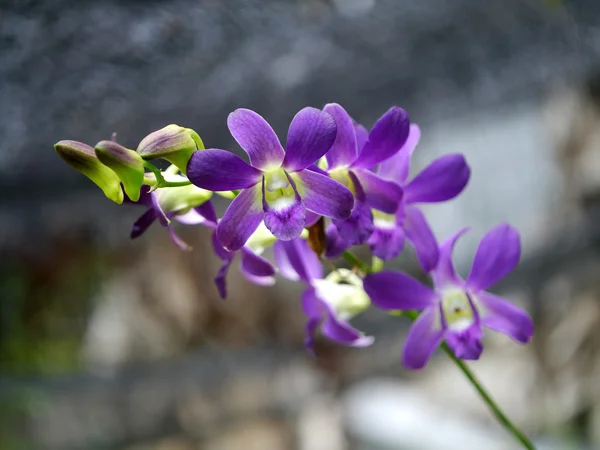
[333, 185]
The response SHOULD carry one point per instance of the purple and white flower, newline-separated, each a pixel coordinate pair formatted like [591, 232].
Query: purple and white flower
[255, 268]
[328, 302]
[456, 310]
[165, 203]
[442, 180]
[354, 153]
[275, 186]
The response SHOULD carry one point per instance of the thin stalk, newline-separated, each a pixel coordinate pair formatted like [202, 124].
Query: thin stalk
[355, 261]
[484, 394]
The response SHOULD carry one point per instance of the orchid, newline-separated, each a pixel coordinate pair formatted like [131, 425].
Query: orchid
[456, 310]
[328, 302]
[275, 186]
[353, 154]
[442, 180]
[255, 268]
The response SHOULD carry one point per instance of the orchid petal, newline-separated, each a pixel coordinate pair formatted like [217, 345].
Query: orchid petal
[311, 135]
[286, 216]
[386, 243]
[497, 255]
[501, 315]
[444, 273]
[219, 170]
[422, 340]
[257, 269]
[466, 344]
[256, 137]
[419, 233]
[391, 290]
[341, 331]
[242, 217]
[380, 194]
[442, 180]
[387, 136]
[335, 244]
[143, 223]
[362, 136]
[397, 167]
[323, 195]
[220, 279]
[180, 243]
[343, 152]
[296, 261]
[200, 215]
[356, 229]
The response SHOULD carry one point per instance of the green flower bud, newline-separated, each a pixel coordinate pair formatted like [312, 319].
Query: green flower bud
[127, 164]
[82, 158]
[173, 143]
[181, 198]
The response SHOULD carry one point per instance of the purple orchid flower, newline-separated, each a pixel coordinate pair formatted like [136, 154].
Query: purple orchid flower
[354, 153]
[442, 180]
[327, 302]
[154, 212]
[456, 310]
[276, 187]
[255, 268]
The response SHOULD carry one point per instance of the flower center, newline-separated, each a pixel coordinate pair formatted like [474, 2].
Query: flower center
[383, 220]
[457, 309]
[341, 175]
[343, 291]
[260, 239]
[279, 193]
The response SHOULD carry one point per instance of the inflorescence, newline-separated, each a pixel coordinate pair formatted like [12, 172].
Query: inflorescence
[333, 186]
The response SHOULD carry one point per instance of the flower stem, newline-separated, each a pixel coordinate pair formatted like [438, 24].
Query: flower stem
[355, 261]
[484, 394]
[498, 413]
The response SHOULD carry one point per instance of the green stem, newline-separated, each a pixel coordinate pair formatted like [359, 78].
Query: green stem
[484, 394]
[175, 183]
[356, 261]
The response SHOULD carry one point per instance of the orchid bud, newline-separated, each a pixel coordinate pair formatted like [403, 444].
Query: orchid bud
[82, 158]
[182, 198]
[173, 143]
[127, 164]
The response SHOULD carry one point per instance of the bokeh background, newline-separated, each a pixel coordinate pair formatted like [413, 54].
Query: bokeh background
[107, 343]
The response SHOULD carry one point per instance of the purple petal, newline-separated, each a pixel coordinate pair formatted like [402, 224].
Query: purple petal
[335, 245]
[398, 166]
[242, 218]
[160, 214]
[311, 218]
[442, 180]
[419, 233]
[395, 290]
[341, 331]
[314, 310]
[219, 250]
[180, 243]
[358, 227]
[501, 315]
[257, 269]
[323, 195]
[423, 338]
[386, 243]
[380, 194]
[220, 279]
[311, 135]
[362, 136]
[143, 223]
[343, 152]
[444, 273]
[296, 261]
[497, 255]
[285, 217]
[387, 136]
[219, 170]
[256, 137]
[466, 344]
[200, 215]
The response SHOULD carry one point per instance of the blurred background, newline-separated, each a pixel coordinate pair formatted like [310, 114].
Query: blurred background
[107, 343]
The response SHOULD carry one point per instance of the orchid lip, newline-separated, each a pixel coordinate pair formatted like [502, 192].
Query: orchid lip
[343, 291]
[383, 220]
[458, 311]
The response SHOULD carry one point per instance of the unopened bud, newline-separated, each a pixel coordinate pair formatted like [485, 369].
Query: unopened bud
[173, 143]
[82, 158]
[127, 164]
[182, 198]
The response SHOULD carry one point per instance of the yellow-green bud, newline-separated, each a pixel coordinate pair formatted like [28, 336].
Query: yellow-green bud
[173, 143]
[127, 164]
[82, 158]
